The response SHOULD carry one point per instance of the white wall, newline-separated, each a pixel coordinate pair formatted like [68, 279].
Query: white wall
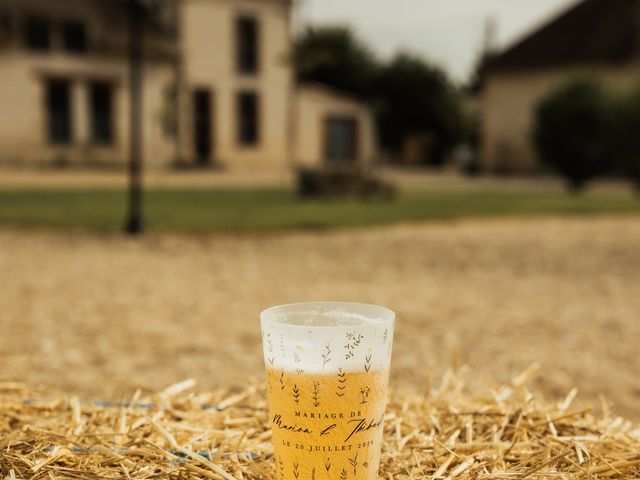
[208, 28]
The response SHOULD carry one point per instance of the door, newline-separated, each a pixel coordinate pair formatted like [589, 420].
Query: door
[58, 104]
[202, 124]
[340, 140]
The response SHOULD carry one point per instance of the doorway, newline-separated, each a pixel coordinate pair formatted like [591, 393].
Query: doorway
[340, 140]
[59, 112]
[202, 125]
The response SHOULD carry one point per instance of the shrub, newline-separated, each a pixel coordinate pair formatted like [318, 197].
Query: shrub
[573, 131]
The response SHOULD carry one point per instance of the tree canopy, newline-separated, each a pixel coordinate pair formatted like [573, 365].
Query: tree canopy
[409, 95]
[416, 97]
[334, 56]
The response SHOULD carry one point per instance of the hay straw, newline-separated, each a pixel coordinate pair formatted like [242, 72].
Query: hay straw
[505, 433]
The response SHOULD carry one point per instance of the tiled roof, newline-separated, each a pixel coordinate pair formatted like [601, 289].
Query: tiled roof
[592, 32]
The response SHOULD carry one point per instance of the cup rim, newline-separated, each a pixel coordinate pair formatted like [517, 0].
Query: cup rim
[387, 314]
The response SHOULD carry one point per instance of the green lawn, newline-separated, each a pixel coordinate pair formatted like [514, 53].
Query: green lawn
[272, 208]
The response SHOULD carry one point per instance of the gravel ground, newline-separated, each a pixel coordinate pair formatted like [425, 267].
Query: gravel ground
[100, 315]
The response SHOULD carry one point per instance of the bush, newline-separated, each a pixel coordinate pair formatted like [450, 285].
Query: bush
[573, 131]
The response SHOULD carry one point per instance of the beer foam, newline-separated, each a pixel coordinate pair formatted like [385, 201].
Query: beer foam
[326, 338]
[331, 318]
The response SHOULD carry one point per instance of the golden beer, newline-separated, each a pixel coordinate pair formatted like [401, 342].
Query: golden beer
[327, 374]
[327, 426]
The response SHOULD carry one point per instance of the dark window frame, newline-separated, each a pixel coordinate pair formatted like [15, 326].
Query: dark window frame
[203, 98]
[247, 44]
[7, 24]
[59, 111]
[37, 33]
[248, 118]
[74, 37]
[101, 105]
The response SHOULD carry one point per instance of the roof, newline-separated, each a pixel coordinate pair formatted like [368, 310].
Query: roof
[322, 91]
[592, 32]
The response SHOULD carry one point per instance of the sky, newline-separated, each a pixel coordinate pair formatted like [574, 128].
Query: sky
[449, 33]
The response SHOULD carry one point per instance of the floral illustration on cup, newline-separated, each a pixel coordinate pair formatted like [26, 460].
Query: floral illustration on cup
[354, 463]
[367, 361]
[296, 394]
[268, 342]
[280, 468]
[364, 394]
[342, 380]
[326, 355]
[315, 395]
[353, 342]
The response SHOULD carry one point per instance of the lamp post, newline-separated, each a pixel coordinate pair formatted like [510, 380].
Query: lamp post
[134, 224]
[142, 14]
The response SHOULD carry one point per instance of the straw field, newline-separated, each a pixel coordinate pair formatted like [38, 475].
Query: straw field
[178, 433]
[100, 315]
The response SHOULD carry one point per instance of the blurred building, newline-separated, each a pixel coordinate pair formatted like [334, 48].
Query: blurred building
[218, 88]
[600, 37]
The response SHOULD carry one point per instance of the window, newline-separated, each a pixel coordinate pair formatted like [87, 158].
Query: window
[340, 139]
[37, 34]
[202, 124]
[101, 113]
[247, 45]
[6, 24]
[59, 111]
[248, 119]
[74, 37]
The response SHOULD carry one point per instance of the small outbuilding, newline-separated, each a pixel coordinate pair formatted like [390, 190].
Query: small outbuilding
[332, 128]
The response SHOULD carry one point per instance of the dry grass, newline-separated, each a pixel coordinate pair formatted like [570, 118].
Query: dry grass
[98, 316]
[506, 432]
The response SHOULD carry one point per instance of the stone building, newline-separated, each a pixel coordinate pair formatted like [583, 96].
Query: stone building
[218, 88]
[598, 37]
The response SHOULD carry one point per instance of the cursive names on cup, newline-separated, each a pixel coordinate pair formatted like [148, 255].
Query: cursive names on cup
[360, 425]
[363, 426]
[277, 421]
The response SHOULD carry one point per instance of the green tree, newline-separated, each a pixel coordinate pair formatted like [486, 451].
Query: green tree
[417, 97]
[409, 95]
[334, 56]
[573, 131]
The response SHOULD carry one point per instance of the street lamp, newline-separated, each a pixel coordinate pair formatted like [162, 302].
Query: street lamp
[134, 224]
[140, 13]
